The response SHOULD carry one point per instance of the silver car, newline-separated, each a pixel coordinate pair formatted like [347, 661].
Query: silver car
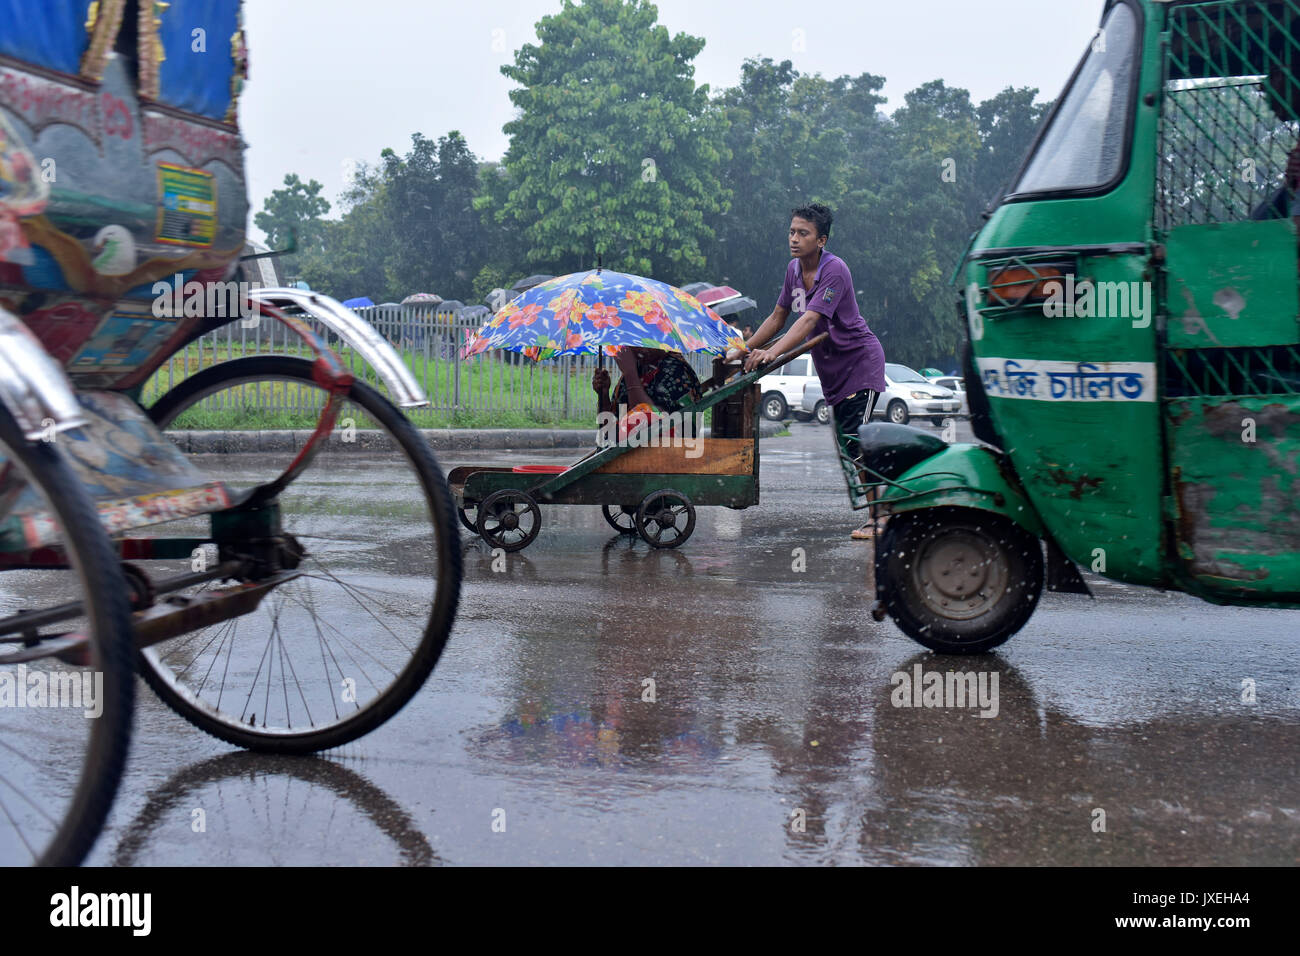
[909, 394]
[958, 386]
[813, 407]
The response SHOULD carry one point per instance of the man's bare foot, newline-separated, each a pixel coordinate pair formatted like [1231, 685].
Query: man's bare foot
[865, 533]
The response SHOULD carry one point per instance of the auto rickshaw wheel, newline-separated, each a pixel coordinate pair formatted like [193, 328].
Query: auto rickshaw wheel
[622, 518]
[509, 519]
[665, 519]
[957, 580]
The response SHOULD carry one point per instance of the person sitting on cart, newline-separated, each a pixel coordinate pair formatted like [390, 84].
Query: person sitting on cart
[851, 362]
[1282, 91]
[653, 378]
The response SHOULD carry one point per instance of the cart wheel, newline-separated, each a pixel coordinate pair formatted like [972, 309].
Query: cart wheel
[65, 619]
[468, 514]
[509, 519]
[622, 518]
[337, 650]
[665, 519]
[956, 580]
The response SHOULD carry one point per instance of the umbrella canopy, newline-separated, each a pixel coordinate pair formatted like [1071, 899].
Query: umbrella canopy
[722, 299]
[523, 285]
[358, 303]
[931, 372]
[600, 311]
[422, 298]
[732, 306]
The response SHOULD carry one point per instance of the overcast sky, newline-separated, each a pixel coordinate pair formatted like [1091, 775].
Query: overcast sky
[338, 80]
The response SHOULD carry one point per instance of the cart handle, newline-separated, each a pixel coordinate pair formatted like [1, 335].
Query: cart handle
[721, 374]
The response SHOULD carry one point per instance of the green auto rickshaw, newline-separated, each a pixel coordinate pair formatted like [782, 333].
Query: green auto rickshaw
[1133, 364]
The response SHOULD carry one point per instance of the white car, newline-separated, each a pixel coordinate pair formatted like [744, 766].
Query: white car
[784, 388]
[909, 394]
[957, 385]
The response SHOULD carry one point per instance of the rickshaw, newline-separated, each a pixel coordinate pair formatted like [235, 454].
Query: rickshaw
[255, 598]
[1133, 358]
[647, 484]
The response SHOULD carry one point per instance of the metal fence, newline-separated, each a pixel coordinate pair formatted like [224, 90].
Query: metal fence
[432, 344]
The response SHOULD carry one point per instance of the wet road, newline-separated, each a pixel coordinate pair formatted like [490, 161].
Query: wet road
[773, 736]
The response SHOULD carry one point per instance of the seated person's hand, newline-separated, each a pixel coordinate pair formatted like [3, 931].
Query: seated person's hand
[600, 381]
[734, 355]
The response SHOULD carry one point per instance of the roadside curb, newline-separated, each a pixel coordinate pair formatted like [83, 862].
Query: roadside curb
[440, 439]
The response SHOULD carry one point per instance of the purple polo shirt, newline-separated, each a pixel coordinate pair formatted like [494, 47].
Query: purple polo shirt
[852, 358]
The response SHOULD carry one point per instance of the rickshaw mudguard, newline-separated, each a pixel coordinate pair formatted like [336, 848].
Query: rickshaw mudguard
[33, 387]
[963, 476]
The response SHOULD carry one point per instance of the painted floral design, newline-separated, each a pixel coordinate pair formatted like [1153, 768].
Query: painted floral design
[599, 312]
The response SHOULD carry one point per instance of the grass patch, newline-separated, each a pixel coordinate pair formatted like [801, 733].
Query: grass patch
[492, 393]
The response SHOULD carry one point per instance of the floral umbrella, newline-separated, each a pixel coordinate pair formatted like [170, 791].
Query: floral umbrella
[598, 312]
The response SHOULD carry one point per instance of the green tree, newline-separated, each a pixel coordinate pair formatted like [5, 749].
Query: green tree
[615, 150]
[299, 208]
[427, 198]
[349, 260]
[1008, 123]
[794, 139]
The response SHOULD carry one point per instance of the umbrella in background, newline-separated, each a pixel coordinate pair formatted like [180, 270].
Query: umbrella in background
[599, 311]
[422, 298]
[359, 303]
[722, 299]
[523, 285]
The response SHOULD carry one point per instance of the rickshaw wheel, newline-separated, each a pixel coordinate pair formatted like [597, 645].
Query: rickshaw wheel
[333, 653]
[622, 518]
[957, 580]
[61, 762]
[468, 514]
[509, 519]
[665, 519]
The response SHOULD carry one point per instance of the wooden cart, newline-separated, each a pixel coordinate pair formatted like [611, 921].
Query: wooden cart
[650, 491]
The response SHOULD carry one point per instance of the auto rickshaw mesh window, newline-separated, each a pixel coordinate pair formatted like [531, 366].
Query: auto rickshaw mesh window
[1231, 106]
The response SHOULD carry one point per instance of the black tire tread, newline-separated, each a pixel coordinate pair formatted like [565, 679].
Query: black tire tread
[107, 593]
[443, 511]
[897, 543]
